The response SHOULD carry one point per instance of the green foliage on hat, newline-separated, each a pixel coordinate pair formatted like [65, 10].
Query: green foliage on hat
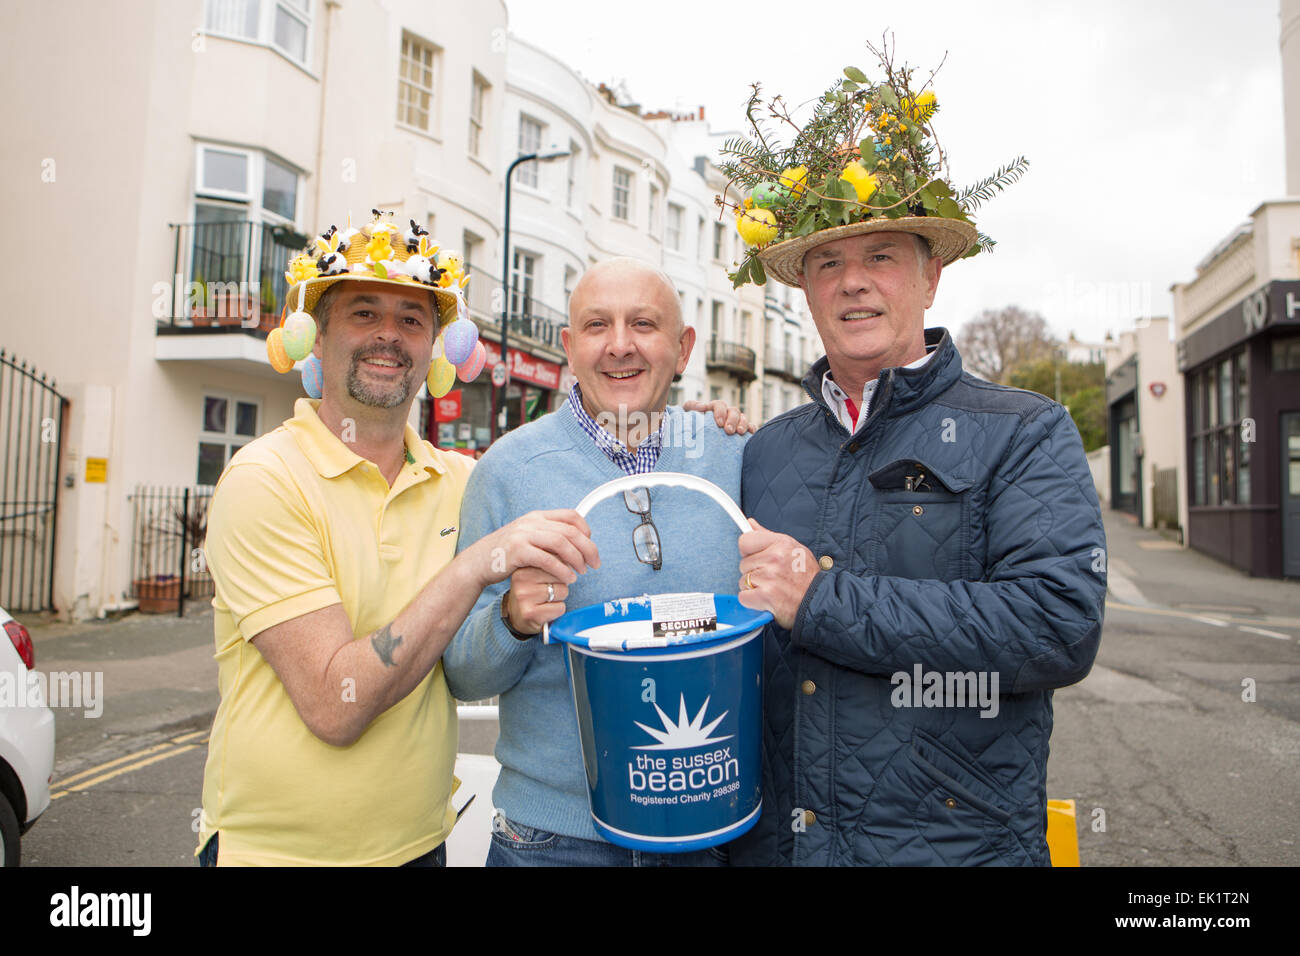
[868, 151]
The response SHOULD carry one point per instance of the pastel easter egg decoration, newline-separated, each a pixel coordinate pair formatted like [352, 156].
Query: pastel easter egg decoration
[275, 351]
[441, 377]
[756, 226]
[863, 182]
[458, 340]
[468, 370]
[313, 377]
[298, 335]
[794, 180]
[437, 347]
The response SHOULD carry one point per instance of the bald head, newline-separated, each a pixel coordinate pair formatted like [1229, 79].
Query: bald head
[627, 272]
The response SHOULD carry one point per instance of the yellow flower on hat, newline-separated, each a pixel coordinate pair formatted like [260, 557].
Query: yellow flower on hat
[757, 226]
[921, 108]
[863, 182]
[795, 179]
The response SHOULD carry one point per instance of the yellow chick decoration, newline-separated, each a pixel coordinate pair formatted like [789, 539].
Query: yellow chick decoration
[380, 246]
[757, 226]
[301, 268]
[863, 182]
[453, 271]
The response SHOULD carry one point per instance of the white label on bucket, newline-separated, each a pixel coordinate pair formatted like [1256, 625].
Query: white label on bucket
[676, 614]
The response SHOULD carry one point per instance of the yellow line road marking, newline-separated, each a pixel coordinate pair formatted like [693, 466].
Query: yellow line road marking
[155, 748]
[112, 763]
[121, 770]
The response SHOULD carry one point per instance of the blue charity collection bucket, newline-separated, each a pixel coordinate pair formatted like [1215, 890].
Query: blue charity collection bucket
[669, 715]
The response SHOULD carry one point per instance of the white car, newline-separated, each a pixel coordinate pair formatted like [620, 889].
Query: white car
[26, 740]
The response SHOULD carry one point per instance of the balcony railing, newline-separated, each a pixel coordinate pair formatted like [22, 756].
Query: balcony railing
[228, 276]
[530, 322]
[730, 357]
[783, 364]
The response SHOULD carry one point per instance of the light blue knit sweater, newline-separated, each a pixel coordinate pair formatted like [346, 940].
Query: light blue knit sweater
[551, 463]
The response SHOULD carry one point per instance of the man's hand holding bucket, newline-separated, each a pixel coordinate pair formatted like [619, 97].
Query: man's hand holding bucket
[775, 572]
[543, 552]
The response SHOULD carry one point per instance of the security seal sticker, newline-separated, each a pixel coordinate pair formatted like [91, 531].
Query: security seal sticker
[674, 615]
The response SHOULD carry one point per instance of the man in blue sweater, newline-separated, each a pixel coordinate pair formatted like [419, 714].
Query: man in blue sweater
[625, 342]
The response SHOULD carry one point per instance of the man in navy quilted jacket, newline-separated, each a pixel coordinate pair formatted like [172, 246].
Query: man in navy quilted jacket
[931, 547]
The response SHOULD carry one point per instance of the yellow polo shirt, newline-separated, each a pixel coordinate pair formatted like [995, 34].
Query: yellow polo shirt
[299, 522]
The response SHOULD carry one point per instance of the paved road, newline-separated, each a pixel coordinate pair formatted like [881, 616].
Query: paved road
[1168, 763]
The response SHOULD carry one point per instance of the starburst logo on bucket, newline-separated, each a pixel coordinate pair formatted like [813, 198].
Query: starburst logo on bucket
[683, 777]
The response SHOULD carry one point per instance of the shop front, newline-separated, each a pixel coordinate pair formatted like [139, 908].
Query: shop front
[534, 386]
[1242, 376]
[462, 419]
[1125, 439]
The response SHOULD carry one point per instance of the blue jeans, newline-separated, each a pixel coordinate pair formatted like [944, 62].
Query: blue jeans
[435, 857]
[514, 844]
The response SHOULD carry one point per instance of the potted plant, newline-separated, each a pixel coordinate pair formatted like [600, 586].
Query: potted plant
[199, 313]
[229, 305]
[159, 594]
[270, 317]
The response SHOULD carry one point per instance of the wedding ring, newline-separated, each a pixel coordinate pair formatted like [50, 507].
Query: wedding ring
[550, 593]
[748, 583]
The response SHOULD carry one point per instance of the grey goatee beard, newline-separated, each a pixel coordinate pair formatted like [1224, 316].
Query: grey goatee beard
[367, 394]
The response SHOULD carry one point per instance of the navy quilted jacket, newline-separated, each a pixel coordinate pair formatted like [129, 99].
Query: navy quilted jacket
[990, 568]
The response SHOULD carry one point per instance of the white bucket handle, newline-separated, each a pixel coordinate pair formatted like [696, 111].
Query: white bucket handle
[656, 479]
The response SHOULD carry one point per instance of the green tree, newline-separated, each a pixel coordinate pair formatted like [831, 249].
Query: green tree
[999, 340]
[1039, 376]
[1082, 391]
[1088, 409]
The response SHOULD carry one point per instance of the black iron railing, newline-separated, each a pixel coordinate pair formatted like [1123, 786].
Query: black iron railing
[168, 565]
[529, 319]
[781, 363]
[31, 440]
[731, 357]
[229, 275]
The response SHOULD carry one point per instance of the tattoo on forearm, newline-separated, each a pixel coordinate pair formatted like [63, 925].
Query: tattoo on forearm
[384, 641]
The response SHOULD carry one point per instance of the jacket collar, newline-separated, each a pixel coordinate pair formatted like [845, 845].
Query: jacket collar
[900, 390]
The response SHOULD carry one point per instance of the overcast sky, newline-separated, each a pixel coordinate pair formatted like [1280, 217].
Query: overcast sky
[1152, 129]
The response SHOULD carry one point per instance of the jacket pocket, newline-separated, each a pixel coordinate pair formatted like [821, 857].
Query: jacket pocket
[919, 525]
[931, 806]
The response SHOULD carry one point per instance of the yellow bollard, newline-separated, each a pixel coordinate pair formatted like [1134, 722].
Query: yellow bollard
[1062, 836]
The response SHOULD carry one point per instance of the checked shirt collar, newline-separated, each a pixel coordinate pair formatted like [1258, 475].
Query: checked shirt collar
[640, 462]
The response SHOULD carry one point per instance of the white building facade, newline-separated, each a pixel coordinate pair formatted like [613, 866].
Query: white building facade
[219, 137]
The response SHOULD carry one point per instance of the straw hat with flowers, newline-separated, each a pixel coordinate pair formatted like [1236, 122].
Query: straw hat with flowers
[867, 160]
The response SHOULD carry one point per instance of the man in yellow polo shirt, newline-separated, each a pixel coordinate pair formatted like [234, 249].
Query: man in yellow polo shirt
[332, 544]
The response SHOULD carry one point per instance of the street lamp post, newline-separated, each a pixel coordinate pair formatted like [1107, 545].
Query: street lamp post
[498, 418]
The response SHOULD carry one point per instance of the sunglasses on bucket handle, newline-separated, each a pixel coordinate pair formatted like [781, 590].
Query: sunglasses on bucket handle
[645, 537]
